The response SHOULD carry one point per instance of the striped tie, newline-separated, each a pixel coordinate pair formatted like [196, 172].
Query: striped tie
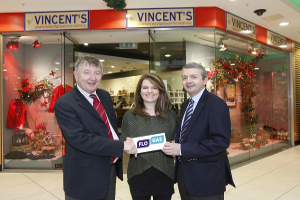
[100, 110]
[187, 117]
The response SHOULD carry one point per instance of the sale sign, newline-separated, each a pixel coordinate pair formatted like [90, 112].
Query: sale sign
[150, 142]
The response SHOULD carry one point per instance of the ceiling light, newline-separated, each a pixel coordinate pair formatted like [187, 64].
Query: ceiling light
[167, 55]
[86, 44]
[284, 23]
[101, 60]
[109, 72]
[283, 46]
[13, 43]
[112, 66]
[36, 44]
[246, 31]
[223, 47]
[232, 64]
[253, 52]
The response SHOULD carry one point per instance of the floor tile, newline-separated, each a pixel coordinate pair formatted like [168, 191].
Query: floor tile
[254, 192]
[20, 191]
[289, 197]
[14, 180]
[51, 184]
[233, 197]
[42, 176]
[295, 190]
[285, 174]
[59, 193]
[242, 176]
[275, 183]
[42, 196]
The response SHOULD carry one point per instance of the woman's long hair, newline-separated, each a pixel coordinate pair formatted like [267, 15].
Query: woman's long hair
[163, 100]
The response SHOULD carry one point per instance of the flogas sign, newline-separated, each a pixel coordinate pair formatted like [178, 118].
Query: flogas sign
[150, 142]
[149, 18]
[53, 21]
[240, 26]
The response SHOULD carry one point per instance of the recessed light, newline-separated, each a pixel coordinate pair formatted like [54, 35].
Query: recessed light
[246, 31]
[112, 66]
[109, 72]
[86, 44]
[167, 55]
[101, 60]
[284, 23]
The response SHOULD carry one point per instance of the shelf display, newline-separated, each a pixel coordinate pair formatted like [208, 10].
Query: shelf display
[176, 97]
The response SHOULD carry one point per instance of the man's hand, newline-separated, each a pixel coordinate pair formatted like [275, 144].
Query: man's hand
[130, 147]
[171, 149]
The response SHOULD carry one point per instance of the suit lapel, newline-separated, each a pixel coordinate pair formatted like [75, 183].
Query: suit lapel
[196, 113]
[83, 102]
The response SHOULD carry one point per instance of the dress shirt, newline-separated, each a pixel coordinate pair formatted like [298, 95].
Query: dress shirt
[196, 99]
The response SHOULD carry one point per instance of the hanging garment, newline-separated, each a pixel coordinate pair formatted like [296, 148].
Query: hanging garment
[16, 115]
[58, 92]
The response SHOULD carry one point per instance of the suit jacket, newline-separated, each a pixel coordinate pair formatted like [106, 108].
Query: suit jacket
[88, 149]
[205, 166]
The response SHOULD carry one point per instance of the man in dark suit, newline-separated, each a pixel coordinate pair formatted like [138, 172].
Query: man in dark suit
[202, 168]
[92, 160]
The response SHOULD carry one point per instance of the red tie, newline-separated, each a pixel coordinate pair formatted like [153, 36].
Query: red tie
[100, 110]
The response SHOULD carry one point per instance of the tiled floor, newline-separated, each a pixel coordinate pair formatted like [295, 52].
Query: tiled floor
[273, 177]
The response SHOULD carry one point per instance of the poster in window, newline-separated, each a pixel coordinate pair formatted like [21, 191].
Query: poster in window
[231, 93]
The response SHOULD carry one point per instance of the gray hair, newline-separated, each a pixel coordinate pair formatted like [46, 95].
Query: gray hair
[90, 60]
[198, 66]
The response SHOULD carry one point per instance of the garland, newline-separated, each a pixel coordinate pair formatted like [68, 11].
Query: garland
[243, 71]
[118, 5]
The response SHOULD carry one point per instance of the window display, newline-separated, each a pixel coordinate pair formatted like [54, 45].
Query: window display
[33, 80]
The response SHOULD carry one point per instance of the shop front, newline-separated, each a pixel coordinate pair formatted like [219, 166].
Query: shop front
[245, 69]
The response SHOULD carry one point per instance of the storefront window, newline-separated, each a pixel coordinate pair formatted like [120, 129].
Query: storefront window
[33, 78]
[253, 86]
[251, 78]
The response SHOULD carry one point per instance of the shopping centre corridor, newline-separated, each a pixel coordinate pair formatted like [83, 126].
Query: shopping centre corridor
[273, 177]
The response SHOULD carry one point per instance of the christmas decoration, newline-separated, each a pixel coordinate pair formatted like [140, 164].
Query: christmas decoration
[118, 5]
[239, 70]
[30, 92]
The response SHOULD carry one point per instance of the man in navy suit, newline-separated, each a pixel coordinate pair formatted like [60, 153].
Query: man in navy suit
[202, 168]
[89, 172]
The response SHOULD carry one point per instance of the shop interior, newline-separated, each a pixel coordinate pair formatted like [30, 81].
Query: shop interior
[255, 86]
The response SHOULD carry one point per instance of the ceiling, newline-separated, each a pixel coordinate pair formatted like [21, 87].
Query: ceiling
[286, 9]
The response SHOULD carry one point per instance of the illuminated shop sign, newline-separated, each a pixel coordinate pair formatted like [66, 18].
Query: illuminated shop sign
[276, 40]
[160, 18]
[53, 21]
[240, 26]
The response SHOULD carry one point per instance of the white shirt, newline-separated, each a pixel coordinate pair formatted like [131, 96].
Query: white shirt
[196, 99]
[91, 100]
